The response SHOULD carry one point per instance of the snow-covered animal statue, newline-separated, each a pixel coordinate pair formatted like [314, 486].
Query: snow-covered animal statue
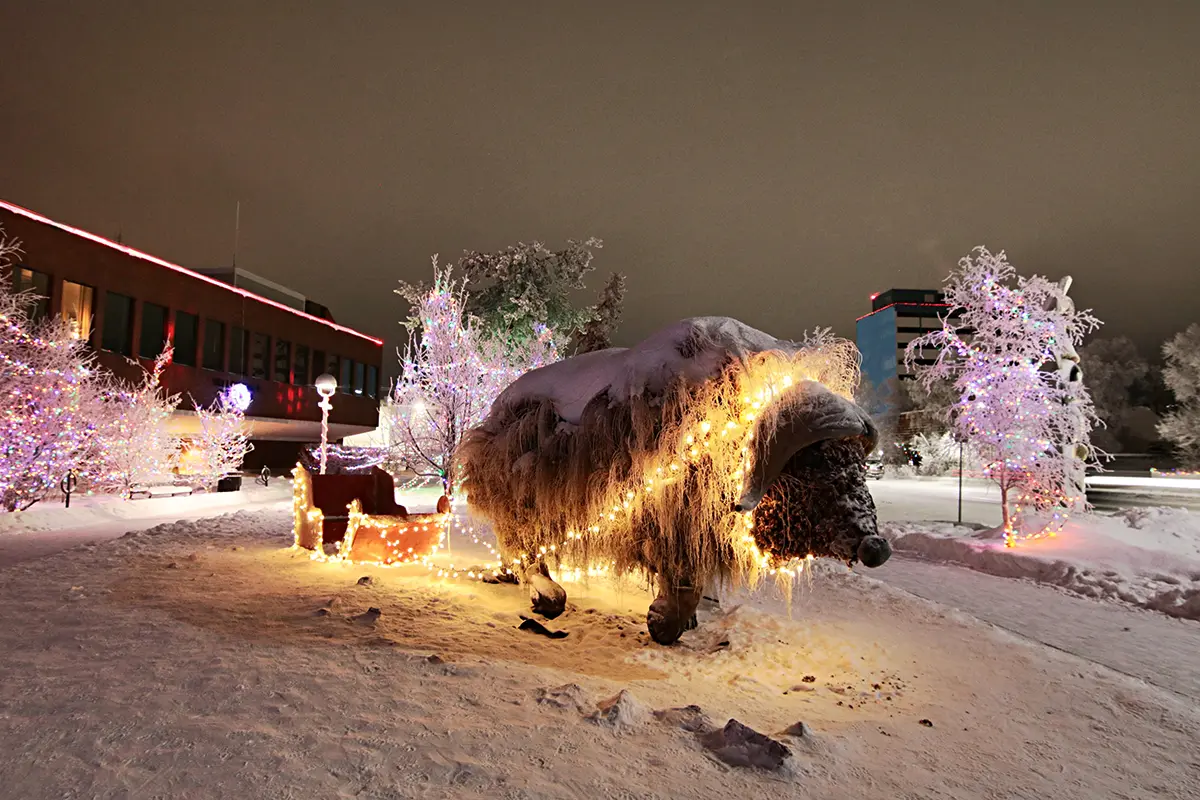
[711, 453]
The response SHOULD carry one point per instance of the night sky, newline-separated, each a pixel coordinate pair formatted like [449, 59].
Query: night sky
[775, 162]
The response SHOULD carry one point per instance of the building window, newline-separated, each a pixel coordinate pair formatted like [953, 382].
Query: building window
[154, 330]
[237, 350]
[214, 345]
[118, 324]
[38, 286]
[283, 361]
[372, 381]
[331, 364]
[318, 365]
[187, 333]
[77, 301]
[300, 376]
[359, 377]
[347, 375]
[259, 353]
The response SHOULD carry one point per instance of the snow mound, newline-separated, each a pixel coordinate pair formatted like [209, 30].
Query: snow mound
[695, 349]
[1146, 557]
[622, 712]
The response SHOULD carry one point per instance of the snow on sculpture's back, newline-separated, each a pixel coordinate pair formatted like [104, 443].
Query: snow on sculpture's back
[709, 453]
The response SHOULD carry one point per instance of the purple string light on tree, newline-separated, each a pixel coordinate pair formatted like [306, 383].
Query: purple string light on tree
[1022, 420]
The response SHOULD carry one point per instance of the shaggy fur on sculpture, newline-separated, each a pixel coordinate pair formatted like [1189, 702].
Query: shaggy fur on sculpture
[539, 481]
[819, 505]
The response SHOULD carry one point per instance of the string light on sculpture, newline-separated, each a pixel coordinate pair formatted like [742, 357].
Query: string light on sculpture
[723, 432]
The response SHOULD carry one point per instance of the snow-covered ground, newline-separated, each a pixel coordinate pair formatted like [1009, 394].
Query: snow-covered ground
[204, 659]
[1148, 557]
[50, 527]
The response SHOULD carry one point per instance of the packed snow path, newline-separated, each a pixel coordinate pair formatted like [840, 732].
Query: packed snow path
[1142, 644]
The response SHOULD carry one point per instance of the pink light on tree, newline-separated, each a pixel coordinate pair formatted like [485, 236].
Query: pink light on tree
[451, 372]
[48, 391]
[1016, 407]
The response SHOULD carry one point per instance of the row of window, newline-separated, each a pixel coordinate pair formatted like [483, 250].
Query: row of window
[251, 354]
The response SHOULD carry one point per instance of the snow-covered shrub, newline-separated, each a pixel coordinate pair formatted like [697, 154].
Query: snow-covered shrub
[133, 446]
[223, 441]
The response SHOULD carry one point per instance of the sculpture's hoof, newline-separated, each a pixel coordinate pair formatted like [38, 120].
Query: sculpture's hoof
[545, 596]
[671, 614]
[873, 551]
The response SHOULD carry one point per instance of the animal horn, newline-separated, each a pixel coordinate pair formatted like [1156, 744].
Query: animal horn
[806, 414]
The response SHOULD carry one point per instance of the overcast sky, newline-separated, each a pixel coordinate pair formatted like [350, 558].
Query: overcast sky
[775, 162]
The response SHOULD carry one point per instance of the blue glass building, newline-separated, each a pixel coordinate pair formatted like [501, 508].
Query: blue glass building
[897, 317]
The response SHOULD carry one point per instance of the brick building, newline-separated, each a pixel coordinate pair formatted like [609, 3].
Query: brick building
[126, 304]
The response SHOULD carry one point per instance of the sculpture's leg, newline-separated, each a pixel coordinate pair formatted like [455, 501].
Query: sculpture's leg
[673, 611]
[546, 597]
[874, 550]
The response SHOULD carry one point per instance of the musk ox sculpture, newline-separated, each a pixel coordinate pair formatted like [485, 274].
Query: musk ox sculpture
[709, 454]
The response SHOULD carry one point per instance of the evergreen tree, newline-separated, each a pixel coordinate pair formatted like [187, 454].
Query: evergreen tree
[597, 333]
[526, 285]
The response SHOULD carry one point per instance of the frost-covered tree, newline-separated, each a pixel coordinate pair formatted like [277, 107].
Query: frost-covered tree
[1181, 426]
[1115, 370]
[451, 371]
[223, 441]
[597, 333]
[133, 446]
[48, 390]
[1027, 424]
[527, 285]
[940, 455]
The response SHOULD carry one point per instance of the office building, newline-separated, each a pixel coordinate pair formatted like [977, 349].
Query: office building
[227, 326]
[897, 317]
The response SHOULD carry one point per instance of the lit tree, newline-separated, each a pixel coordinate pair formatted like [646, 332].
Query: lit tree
[451, 371]
[133, 446]
[598, 331]
[526, 285]
[224, 438]
[1181, 425]
[48, 390]
[1028, 425]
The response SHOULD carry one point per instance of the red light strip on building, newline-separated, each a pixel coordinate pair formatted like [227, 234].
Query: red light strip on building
[162, 263]
[889, 305]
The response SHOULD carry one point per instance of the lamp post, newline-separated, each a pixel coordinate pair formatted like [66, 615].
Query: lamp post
[326, 385]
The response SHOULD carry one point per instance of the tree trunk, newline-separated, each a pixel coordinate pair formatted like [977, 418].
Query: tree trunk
[1004, 509]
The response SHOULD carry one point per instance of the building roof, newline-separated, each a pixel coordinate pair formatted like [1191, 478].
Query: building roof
[129, 251]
